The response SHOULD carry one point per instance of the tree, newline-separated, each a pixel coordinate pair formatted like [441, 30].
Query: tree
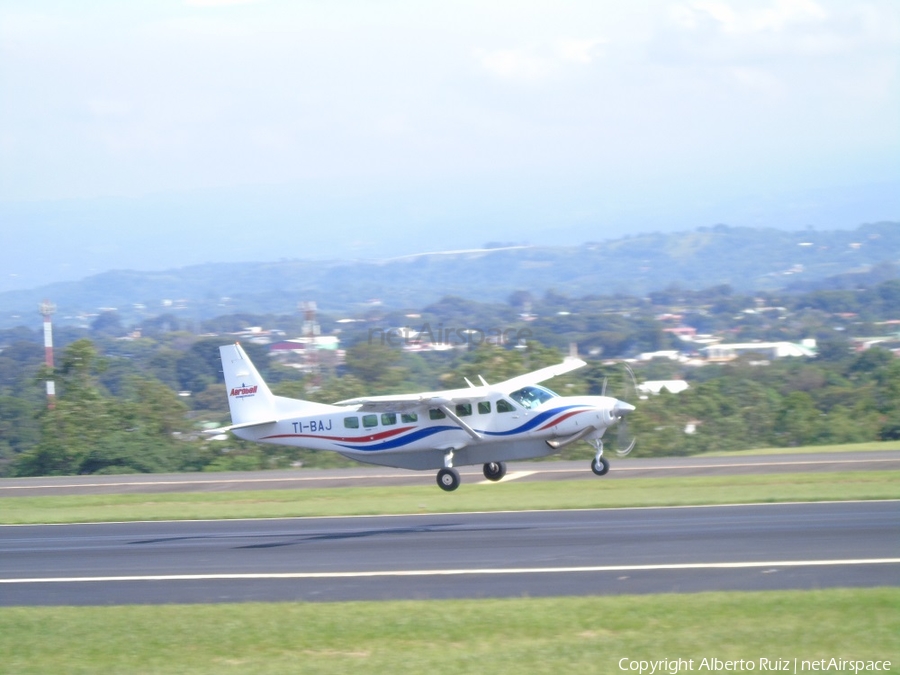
[377, 365]
[18, 362]
[108, 324]
[78, 420]
[870, 361]
[199, 366]
[521, 300]
[797, 419]
[89, 431]
[19, 428]
[834, 349]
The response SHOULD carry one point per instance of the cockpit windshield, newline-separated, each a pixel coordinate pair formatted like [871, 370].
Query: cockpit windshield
[532, 396]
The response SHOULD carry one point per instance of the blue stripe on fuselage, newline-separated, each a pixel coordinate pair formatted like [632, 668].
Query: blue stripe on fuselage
[533, 422]
[403, 440]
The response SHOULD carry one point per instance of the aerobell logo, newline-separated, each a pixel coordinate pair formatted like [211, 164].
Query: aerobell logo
[244, 391]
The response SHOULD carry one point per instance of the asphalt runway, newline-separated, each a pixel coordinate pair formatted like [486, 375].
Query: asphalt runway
[363, 476]
[469, 555]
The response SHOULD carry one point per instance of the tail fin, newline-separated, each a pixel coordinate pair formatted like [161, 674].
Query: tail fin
[249, 398]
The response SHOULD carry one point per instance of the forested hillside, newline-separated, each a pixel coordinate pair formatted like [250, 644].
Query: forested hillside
[746, 259]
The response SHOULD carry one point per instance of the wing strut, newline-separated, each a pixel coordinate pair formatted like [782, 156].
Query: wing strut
[462, 425]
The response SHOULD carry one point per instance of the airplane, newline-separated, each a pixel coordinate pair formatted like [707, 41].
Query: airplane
[482, 424]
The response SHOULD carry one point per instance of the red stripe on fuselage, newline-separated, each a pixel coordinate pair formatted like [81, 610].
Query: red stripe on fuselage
[346, 439]
[562, 418]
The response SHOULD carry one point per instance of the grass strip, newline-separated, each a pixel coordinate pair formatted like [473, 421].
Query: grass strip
[575, 494]
[521, 635]
[807, 449]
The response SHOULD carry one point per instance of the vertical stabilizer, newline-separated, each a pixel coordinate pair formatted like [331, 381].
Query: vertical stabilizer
[249, 398]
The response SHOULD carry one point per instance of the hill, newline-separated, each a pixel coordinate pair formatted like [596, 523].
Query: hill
[747, 259]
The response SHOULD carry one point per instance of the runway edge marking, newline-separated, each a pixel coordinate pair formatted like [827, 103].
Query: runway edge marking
[459, 572]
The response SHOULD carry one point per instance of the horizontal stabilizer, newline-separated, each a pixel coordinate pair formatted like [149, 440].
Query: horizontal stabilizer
[231, 427]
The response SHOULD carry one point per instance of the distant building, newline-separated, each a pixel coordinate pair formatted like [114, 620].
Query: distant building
[302, 344]
[682, 332]
[890, 342]
[309, 353]
[258, 335]
[771, 350]
[656, 386]
[671, 354]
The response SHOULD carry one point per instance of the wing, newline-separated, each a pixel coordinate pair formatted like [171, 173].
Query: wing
[397, 403]
[536, 376]
[404, 402]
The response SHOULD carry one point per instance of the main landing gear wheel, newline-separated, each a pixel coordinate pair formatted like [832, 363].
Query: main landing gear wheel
[600, 466]
[448, 479]
[494, 470]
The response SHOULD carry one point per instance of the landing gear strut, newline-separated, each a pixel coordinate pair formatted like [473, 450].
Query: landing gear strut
[494, 470]
[599, 465]
[448, 477]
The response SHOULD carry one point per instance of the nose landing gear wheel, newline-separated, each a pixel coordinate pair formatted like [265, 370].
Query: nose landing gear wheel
[600, 466]
[494, 470]
[448, 479]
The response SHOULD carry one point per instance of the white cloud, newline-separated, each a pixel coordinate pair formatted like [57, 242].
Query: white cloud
[778, 16]
[160, 96]
[578, 51]
[537, 62]
[720, 32]
[218, 3]
[108, 107]
[758, 80]
[515, 64]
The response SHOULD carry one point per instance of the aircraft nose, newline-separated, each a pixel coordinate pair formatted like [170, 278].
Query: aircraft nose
[622, 408]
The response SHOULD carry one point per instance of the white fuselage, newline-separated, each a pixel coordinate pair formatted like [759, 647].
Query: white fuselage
[420, 439]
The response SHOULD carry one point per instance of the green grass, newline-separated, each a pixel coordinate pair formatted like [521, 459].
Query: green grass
[576, 494]
[523, 635]
[807, 449]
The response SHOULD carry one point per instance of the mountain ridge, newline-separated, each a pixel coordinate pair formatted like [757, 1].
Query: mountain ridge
[748, 259]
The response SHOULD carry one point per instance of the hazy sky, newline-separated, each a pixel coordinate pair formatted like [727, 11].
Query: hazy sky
[157, 133]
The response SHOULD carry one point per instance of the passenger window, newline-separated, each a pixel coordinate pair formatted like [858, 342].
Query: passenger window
[351, 423]
[436, 414]
[484, 407]
[409, 417]
[370, 421]
[463, 409]
[504, 406]
[388, 419]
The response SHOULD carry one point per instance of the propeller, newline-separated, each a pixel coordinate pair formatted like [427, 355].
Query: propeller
[625, 440]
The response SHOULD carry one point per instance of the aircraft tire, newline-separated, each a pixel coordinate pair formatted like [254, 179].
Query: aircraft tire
[494, 470]
[600, 467]
[448, 479]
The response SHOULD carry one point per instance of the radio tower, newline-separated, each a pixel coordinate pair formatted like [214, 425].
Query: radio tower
[47, 309]
[311, 331]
